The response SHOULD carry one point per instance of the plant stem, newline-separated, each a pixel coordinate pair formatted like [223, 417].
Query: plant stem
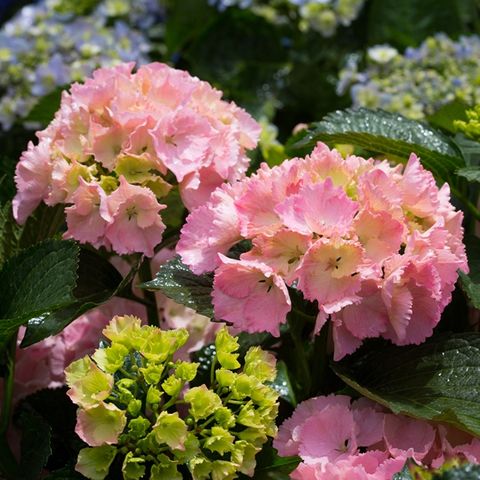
[145, 275]
[295, 328]
[8, 384]
[8, 464]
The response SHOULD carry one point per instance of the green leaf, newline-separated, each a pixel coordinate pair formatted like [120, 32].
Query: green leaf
[98, 280]
[35, 444]
[409, 22]
[44, 111]
[404, 474]
[283, 385]
[38, 280]
[470, 149]
[438, 380]
[445, 115]
[472, 174]
[10, 233]
[471, 289]
[463, 472]
[176, 281]
[386, 133]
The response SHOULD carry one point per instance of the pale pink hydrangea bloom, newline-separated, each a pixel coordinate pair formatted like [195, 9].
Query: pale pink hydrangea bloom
[376, 246]
[118, 144]
[340, 439]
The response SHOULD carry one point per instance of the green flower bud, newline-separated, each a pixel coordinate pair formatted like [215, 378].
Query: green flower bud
[172, 386]
[138, 427]
[186, 371]
[203, 402]
[260, 364]
[133, 468]
[170, 429]
[220, 441]
[110, 359]
[225, 345]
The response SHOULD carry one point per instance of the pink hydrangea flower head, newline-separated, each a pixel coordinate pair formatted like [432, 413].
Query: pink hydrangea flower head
[339, 439]
[376, 246]
[145, 126]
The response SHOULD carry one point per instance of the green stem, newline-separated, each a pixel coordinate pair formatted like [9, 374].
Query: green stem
[145, 275]
[8, 384]
[300, 353]
[8, 464]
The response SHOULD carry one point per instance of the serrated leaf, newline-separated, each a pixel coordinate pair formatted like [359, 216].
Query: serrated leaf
[38, 280]
[438, 380]
[98, 280]
[178, 282]
[472, 174]
[386, 133]
[35, 444]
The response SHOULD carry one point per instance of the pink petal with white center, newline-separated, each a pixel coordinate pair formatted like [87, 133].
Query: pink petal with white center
[84, 218]
[403, 433]
[282, 251]
[320, 208]
[329, 271]
[209, 230]
[181, 141]
[32, 178]
[136, 225]
[250, 295]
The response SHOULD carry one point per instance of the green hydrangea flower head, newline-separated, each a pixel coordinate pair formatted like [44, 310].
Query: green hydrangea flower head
[147, 414]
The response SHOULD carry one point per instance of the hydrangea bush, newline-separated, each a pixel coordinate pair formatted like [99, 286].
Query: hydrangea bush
[419, 81]
[171, 307]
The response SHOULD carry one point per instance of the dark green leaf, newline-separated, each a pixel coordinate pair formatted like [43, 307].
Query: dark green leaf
[471, 289]
[386, 133]
[65, 474]
[38, 280]
[10, 233]
[65, 443]
[445, 116]
[176, 281]
[35, 445]
[472, 174]
[98, 280]
[44, 111]
[470, 149]
[404, 474]
[172, 216]
[409, 22]
[438, 380]
[283, 385]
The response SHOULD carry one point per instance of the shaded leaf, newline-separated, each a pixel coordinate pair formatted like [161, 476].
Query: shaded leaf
[471, 289]
[445, 115]
[283, 385]
[178, 282]
[98, 280]
[409, 22]
[44, 111]
[386, 133]
[438, 380]
[35, 444]
[472, 174]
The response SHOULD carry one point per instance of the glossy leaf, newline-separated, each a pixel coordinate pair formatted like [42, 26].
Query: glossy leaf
[385, 133]
[176, 281]
[438, 380]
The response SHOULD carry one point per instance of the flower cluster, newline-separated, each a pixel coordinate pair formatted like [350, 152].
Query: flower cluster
[47, 46]
[119, 142]
[376, 247]
[338, 439]
[138, 404]
[322, 16]
[420, 81]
